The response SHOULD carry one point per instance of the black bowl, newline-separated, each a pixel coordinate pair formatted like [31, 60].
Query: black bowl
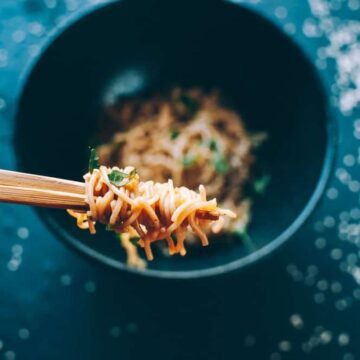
[132, 47]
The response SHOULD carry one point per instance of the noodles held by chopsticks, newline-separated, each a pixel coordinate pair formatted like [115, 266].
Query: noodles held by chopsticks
[147, 211]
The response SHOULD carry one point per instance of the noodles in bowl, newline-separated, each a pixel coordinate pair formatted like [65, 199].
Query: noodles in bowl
[190, 138]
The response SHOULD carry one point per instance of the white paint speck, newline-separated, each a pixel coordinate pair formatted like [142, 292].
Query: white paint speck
[354, 5]
[13, 264]
[306, 347]
[131, 327]
[355, 213]
[72, 5]
[322, 285]
[311, 29]
[90, 286]
[290, 28]
[296, 321]
[115, 331]
[275, 356]
[249, 340]
[50, 3]
[65, 280]
[336, 254]
[356, 293]
[284, 345]
[354, 186]
[320, 243]
[341, 305]
[348, 356]
[336, 287]
[18, 36]
[326, 337]
[343, 339]
[329, 221]
[9, 355]
[332, 193]
[2, 104]
[34, 50]
[281, 12]
[319, 298]
[23, 233]
[36, 28]
[349, 160]
[24, 333]
[17, 249]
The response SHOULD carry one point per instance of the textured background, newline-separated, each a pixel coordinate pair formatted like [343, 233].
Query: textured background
[302, 302]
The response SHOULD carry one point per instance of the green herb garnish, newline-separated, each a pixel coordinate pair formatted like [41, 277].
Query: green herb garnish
[190, 104]
[220, 163]
[260, 185]
[120, 178]
[109, 227]
[134, 240]
[174, 133]
[93, 160]
[189, 161]
[212, 145]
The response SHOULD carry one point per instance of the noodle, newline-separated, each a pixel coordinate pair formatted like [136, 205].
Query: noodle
[188, 136]
[148, 211]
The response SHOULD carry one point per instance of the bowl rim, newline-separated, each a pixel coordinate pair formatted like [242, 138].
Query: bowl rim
[236, 265]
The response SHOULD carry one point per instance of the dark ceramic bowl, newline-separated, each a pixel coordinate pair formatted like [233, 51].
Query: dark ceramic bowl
[131, 47]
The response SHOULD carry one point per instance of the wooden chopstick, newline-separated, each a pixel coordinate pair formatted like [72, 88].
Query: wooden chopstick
[14, 178]
[40, 197]
[37, 190]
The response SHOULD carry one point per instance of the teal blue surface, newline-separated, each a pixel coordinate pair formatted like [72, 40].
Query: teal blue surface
[301, 302]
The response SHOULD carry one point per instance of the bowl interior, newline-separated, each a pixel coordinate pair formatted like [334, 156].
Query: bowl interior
[128, 48]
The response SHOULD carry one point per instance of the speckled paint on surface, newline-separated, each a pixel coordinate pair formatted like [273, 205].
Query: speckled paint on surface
[301, 302]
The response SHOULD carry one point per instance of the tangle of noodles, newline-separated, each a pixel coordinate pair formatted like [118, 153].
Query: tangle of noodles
[149, 210]
[188, 136]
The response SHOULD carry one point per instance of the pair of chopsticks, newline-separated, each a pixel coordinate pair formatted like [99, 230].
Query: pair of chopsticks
[37, 190]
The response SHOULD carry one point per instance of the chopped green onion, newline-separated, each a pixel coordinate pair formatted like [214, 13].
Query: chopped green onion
[120, 178]
[190, 104]
[93, 160]
[212, 145]
[220, 163]
[134, 240]
[174, 133]
[189, 160]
